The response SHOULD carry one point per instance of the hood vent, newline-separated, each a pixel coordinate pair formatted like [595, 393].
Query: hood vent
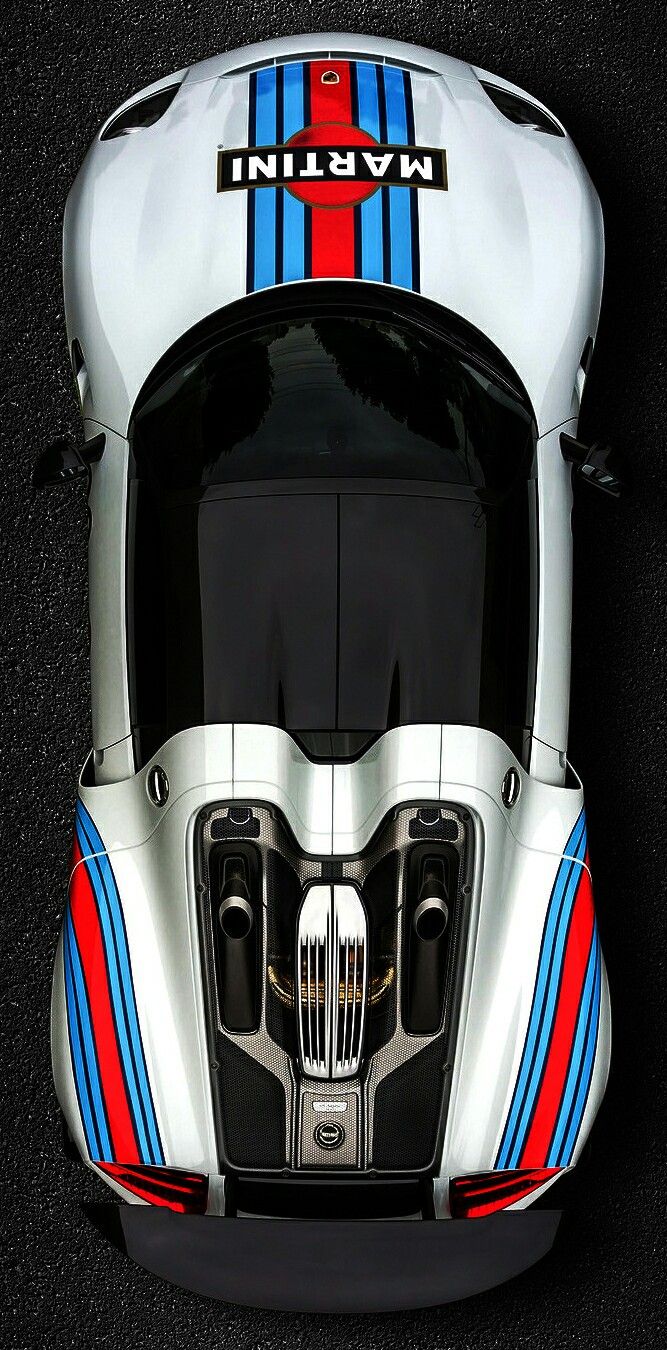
[143, 113]
[332, 948]
[521, 111]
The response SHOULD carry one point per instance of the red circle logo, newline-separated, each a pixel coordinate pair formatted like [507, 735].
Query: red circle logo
[345, 192]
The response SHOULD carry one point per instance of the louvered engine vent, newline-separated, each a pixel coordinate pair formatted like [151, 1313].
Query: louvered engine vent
[332, 948]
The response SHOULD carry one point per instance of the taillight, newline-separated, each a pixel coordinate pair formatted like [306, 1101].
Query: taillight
[186, 1192]
[474, 1196]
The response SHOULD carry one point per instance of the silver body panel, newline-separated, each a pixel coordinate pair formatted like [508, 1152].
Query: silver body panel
[517, 250]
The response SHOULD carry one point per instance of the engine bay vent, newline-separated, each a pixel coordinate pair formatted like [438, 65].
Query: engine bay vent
[332, 945]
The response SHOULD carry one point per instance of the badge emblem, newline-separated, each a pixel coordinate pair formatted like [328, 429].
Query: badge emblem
[329, 1135]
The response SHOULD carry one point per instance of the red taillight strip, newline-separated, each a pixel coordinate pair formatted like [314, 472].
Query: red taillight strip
[486, 1192]
[186, 1192]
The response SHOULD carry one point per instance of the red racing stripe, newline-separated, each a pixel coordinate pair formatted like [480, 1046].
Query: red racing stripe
[91, 949]
[577, 952]
[332, 229]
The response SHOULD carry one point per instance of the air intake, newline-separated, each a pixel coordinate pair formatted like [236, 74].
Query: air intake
[332, 945]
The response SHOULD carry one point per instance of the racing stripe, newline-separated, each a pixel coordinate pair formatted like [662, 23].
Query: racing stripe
[122, 987]
[107, 1052]
[377, 240]
[294, 212]
[581, 1066]
[397, 92]
[580, 946]
[82, 1048]
[262, 201]
[332, 241]
[545, 998]
[84, 918]
[369, 257]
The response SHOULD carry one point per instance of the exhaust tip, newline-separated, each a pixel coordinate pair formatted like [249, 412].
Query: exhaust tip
[236, 918]
[430, 918]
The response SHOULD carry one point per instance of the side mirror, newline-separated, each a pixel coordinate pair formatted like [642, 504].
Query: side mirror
[61, 462]
[593, 463]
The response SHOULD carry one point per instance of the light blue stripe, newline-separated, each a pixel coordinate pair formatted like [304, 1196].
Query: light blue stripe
[578, 1050]
[576, 846]
[371, 239]
[549, 1011]
[582, 1095]
[118, 1008]
[293, 210]
[109, 905]
[292, 99]
[293, 238]
[265, 198]
[371, 210]
[89, 1045]
[401, 236]
[397, 122]
[399, 197]
[131, 1005]
[77, 1051]
[367, 98]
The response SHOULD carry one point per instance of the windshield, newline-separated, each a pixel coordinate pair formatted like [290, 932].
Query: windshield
[332, 397]
[331, 529]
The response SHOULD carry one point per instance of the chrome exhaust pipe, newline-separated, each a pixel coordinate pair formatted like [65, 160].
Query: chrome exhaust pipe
[430, 918]
[428, 942]
[237, 951]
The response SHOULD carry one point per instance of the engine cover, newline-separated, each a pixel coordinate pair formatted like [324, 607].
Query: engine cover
[336, 1067]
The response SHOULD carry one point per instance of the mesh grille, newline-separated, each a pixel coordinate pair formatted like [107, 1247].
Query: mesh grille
[252, 1103]
[407, 1112]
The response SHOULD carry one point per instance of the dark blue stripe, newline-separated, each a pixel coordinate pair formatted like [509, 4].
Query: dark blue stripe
[122, 990]
[586, 1073]
[76, 1053]
[577, 1055]
[546, 985]
[87, 1043]
[250, 196]
[399, 197]
[548, 1011]
[119, 995]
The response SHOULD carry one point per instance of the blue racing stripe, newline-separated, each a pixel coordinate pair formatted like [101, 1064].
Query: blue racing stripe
[371, 209]
[547, 970]
[88, 1044]
[577, 1113]
[131, 1007]
[76, 1050]
[122, 999]
[265, 198]
[399, 197]
[394, 92]
[577, 1055]
[367, 98]
[549, 1011]
[122, 989]
[293, 210]
[401, 236]
[118, 1005]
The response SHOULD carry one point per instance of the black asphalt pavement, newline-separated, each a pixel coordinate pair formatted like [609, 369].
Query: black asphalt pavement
[597, 63]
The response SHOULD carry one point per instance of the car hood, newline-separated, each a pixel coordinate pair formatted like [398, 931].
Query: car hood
[514, 245]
